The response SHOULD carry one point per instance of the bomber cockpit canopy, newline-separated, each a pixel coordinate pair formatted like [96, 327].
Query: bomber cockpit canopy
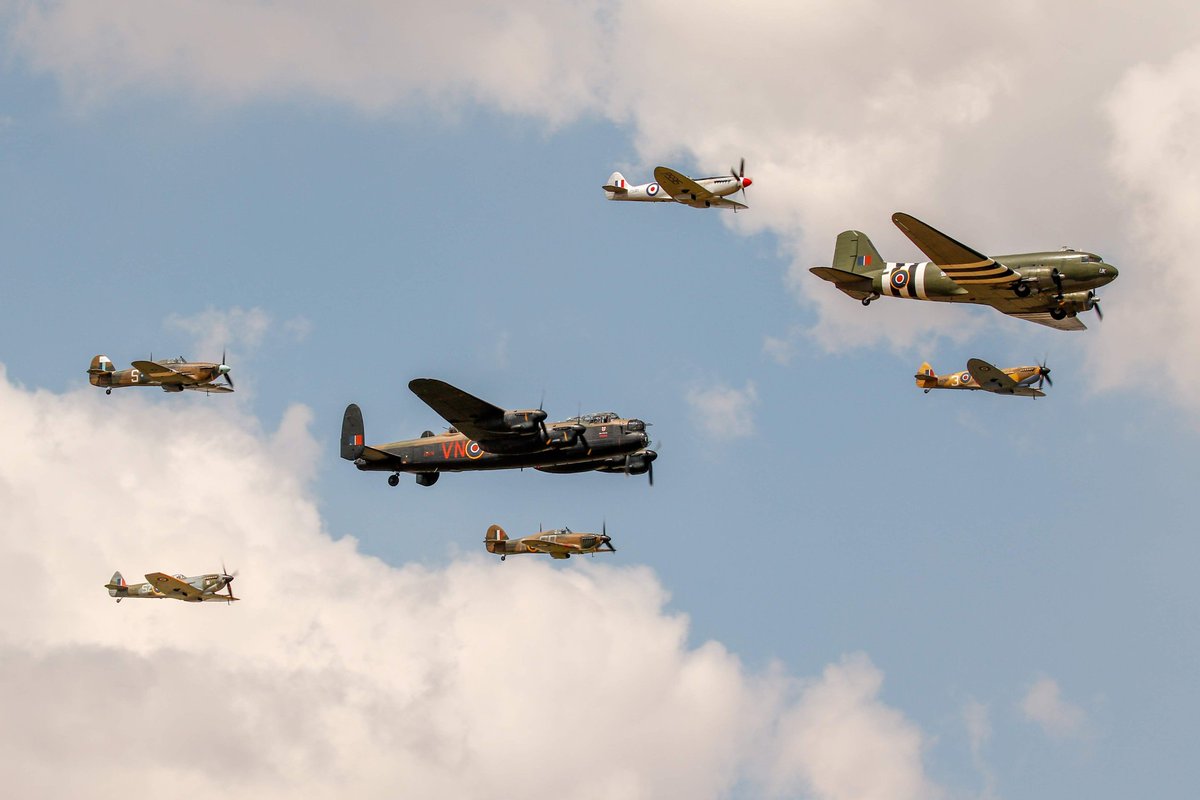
[599, 417]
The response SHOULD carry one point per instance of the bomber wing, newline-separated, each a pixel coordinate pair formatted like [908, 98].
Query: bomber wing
[681, 187]
[161, 373]
[965, 266]
[995, 380]
[478, 419]
[172, 586]
[1067, 323]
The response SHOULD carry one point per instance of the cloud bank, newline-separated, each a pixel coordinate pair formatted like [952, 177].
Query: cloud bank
[340, 674]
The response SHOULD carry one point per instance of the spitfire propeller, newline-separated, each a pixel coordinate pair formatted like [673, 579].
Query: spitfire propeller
[740, 175]
[226, 576]
[1044, 374]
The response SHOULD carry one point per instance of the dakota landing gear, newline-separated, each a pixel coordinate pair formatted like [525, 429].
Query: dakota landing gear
[108, 391]
[393, 480]
[1022, 289]
[866, 301]
[503, 557]
[1058, 313]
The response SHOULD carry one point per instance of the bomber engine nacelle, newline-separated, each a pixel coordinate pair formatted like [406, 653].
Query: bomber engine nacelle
[635, 463]
[526, 421]
[1077, 302]
[566, 435]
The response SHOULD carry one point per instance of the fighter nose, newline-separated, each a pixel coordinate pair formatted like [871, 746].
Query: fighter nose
[746, 181]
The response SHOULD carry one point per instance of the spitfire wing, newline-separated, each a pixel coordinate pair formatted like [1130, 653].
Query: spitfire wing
[160, 373]
[1067, 323]
[478, 419]
[681, 187]
[219, 388]
[172, 586]
[989, 377]
[965, 266]
[725, 202]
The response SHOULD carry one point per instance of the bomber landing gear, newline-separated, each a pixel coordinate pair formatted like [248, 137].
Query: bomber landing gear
[394, 480]
[1022, 289]
[866, 301]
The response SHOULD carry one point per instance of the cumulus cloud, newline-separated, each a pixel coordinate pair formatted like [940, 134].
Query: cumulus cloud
[1044, 705]
[214, 329]
[339, 674]
[722, 411]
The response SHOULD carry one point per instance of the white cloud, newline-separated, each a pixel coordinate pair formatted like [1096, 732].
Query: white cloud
[338, 674]
[214, 330]
[1043, 704]
[722, 411]
[977, 720]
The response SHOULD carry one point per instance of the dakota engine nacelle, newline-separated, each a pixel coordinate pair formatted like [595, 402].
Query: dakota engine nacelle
[1077, 302]
[524, 421]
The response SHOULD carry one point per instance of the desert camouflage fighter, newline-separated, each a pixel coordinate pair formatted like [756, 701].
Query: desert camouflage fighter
[1049, 288]
[194, 589]
[982, 375]
[172, 374]
[672, 186]
[559, 543]
[485, 437]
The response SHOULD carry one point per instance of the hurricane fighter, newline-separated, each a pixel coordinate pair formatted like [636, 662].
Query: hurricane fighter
[159, 585]
[980, 375]
[558, 543]
[1049, 288]
[172, 374]
[483, 436]
[671, 186]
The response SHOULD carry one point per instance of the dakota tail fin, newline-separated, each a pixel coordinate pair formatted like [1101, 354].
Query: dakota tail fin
[926, 378]
[352, 433]
[495, 535]
[100, 371]
[615, 185]
[855, 253]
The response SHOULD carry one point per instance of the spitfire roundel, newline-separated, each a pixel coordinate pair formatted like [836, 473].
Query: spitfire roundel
[652, 189]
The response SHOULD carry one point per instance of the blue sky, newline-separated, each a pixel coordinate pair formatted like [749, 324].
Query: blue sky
[969, 545]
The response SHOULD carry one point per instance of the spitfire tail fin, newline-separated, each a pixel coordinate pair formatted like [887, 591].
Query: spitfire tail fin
[495, 535]
[615, 185]
[352, 433]
[926, 377]
[100, 371]
[115, 584]
[855, 253]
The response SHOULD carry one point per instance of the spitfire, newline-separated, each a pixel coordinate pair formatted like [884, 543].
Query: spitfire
[159, 585]
[982, 375]
[672, 186]
[558, 543]
[486, 437]
[172, 374]
[1050, 288]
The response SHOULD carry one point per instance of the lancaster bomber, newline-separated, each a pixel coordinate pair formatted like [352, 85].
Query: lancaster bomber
[485, 437]
[172, 374]
[1050, 288]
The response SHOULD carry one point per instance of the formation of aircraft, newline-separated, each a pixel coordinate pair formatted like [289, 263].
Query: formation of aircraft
[172, 374]
[483, 436]
[190, 589]
[980, 375]
[1049, 287]
[558, 543]
[672, 186]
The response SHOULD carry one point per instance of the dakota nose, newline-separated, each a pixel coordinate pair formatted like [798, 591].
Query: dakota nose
[1110, 272]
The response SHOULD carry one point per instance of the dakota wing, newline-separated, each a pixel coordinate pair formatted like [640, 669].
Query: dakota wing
[966, 266]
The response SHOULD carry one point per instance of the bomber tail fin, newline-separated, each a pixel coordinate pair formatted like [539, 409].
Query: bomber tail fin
[352, 433]
[855, 253]
[495, 535]
[615, 186]
[926, 378]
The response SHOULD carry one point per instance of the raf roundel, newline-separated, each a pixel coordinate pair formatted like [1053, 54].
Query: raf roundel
[965, 377]
[474, 450]
[652, 189]
[900, 279]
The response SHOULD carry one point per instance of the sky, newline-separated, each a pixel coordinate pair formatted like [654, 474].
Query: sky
[839, 588]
